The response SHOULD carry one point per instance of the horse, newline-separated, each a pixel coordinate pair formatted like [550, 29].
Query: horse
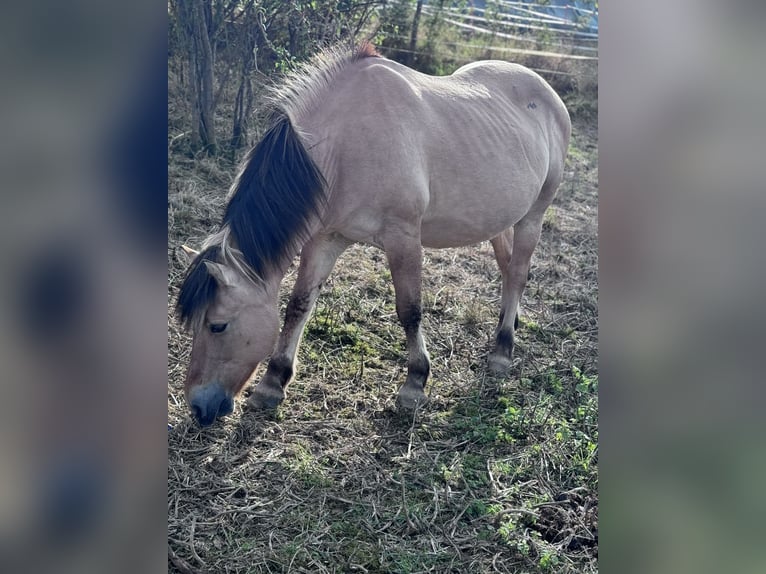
[362, 149]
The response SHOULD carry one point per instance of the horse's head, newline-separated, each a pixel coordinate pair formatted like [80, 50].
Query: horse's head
[234, 323]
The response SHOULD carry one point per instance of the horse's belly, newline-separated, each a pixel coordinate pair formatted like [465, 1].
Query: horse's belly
[469, 212]
[469, 225]
[436, 239]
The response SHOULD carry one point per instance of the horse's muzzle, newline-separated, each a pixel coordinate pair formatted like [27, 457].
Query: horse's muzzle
[208, 403]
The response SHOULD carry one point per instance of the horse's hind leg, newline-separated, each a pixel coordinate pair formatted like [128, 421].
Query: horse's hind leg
[503, 247]
[318, 258]
[513, 250]
[405, 259]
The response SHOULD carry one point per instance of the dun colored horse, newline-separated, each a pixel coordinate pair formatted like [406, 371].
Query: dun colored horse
[363, 149]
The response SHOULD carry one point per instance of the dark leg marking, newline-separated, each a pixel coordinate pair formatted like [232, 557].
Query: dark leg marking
[280, 369]
[419, 370]
[505, 341]
[297, 307]
[418, 366]
[515, 320]
[411, 319]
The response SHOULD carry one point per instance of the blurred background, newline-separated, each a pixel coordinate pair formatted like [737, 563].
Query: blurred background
[681, 129]
[83, 232]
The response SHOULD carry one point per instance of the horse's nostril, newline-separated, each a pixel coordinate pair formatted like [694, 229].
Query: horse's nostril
[226, 407]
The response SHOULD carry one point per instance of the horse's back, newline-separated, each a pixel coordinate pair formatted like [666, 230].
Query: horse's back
[492, 86]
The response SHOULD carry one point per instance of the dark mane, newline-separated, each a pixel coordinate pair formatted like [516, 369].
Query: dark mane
[199, 288]
[276, 195]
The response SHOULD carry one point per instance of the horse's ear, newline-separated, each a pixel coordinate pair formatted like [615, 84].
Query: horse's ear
[185, 255]
[222, 274]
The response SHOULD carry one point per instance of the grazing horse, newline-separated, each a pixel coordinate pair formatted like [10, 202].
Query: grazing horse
[363, 149]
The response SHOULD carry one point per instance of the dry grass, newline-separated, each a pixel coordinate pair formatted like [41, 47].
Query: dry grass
[492, 476]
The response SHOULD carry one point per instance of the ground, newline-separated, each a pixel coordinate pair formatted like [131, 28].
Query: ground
[493, 475]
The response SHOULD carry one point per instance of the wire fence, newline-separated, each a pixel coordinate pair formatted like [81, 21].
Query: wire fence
[557, 44]
[547, 31]
[543, 53]
[581, 45]
[541, 14]
[527, 18]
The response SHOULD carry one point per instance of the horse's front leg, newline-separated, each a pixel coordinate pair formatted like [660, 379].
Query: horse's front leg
[405, 259]
[318, 258]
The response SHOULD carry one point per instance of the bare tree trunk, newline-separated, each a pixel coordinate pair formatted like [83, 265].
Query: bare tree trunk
[414, 35]
[196, 139]
[243, 105]
[194, 17]
[205, 62]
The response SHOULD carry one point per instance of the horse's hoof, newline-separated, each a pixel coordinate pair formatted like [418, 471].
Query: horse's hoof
[410, 399]
[498, 365]
[265, 398]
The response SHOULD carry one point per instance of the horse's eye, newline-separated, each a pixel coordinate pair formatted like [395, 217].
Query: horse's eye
[218, 327]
